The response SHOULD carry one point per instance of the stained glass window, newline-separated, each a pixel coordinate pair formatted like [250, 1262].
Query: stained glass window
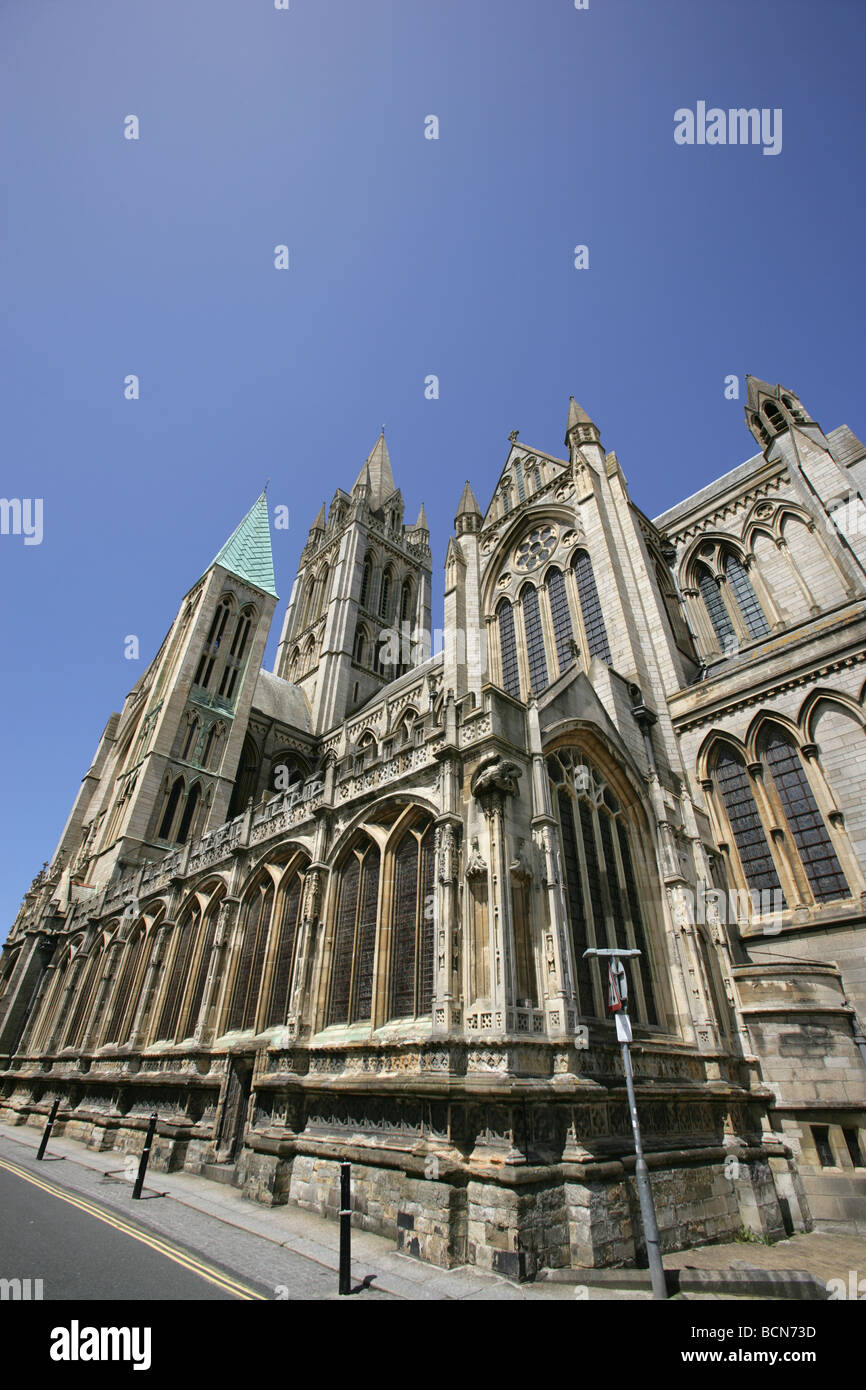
[562, 629]
[535, 653]
[590, 607]
[741, 588]
[508, 650]
[807, 826]
[715, 606]
[753, 847]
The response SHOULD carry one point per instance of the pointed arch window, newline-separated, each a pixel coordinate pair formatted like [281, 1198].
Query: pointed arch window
[732, 781]
[189, 1021]
[215, 636]
[84, 989]
[590, 607]
[213, 745]
[604, 905]
[411, 983]
[256, 922]
[164, 832]
[535, 653]
[365, 583]
[191, 736]
[184, 944]
[235, 656]
[561, 618]
[521, 483]
[247, 778]
[351, 990]
[189, 810]
[774, 417]
[508, 650]
[289, 918]
[718, 613]
[124, 999]
[805, 821]
[385, 596]
[745, 596]
[406, 601]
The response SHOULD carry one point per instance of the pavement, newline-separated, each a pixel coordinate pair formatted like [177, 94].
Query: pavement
[287, 1253]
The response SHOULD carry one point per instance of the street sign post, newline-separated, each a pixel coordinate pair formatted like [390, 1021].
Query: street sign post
[617, 1001]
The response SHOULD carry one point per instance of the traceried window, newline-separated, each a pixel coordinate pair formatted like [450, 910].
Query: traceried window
[535, 654]
[561, 618]
[255, 925]
[805, 821]
[718, 613]
[183, 946]
[235, 656]
[189, 1020]
[85, 987]
[535, 548]
[125, 997]
[289, 911]
[508, 650]
[604, 904]
[590, 607]
[351, 989]
[212, 645]
[411, 976]
[752, 844]
[741, 588]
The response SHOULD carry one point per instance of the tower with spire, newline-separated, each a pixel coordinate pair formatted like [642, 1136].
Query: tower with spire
[359, 612]
[165, 767]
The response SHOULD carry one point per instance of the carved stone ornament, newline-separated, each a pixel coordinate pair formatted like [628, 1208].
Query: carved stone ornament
[495, 774]
[476, 866]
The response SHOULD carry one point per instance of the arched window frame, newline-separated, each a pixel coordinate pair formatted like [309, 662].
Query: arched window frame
[411, 945]
[249, 950]
[352, 967]
[215, 641]
[592, 623]
[801, 856]
[729, 598]
[604, 881]
[507, 649]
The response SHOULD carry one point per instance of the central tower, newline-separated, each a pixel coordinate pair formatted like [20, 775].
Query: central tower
[359, 612]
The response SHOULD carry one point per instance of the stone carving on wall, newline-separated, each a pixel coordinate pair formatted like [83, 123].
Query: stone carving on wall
[476, 865]
[495, 774]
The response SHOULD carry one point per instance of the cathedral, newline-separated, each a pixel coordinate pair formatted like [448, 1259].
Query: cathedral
[341, 909]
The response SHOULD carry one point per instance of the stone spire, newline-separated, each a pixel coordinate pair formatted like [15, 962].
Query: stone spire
[587, 430]
[469, 513]
[378, 468]
[247, 552]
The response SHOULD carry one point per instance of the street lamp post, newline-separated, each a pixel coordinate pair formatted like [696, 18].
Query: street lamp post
[618, 995]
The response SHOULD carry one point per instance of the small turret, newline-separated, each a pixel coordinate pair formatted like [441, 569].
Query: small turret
[469, 515]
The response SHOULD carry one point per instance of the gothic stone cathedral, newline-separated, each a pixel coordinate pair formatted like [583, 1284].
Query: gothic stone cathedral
[340, 910]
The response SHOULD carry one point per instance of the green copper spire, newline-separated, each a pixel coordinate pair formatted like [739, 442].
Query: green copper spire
[247, 552]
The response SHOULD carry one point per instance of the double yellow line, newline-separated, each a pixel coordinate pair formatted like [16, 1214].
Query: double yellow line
[162, 1247]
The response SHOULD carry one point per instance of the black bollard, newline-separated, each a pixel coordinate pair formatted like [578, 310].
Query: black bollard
[40, 1152]
[345, 1228]
[145, 1155]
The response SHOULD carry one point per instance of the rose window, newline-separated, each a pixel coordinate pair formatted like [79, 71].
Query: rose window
[538, 546]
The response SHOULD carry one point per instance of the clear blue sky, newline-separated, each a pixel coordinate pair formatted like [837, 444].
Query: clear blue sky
[408, 257]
